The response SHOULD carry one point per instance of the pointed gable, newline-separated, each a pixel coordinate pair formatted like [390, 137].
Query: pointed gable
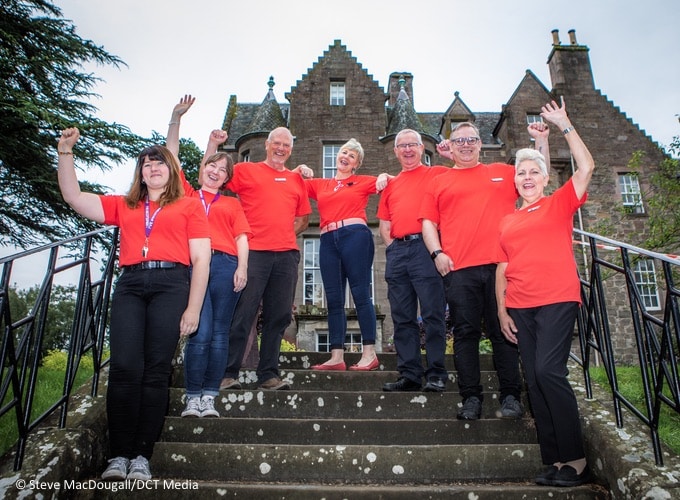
[523, 106]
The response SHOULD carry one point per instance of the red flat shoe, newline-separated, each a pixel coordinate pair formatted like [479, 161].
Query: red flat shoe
[373, 365]
[339, 367]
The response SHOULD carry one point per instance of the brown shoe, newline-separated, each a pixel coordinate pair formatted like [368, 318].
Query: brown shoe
[275, 384]
[230, 383]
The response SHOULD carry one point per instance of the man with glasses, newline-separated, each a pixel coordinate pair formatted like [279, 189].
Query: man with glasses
[460, 216]
[412, 279]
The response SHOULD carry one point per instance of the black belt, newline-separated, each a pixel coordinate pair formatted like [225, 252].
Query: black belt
[153, 264]
[218, 252]
[409, 237]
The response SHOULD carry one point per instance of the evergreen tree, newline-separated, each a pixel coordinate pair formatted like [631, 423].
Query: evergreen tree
[44, 89]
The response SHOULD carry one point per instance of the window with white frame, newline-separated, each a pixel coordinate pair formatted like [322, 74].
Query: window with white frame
[352, 342]
[630, 193]
[246, 155]
[645, 281]
[313, 286]
[330, 152]
[427, 159]
[314, 293]
[337, 93]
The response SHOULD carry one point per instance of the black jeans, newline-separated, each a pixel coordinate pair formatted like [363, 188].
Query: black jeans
[272, 278]
[471, 295]
[146, 309]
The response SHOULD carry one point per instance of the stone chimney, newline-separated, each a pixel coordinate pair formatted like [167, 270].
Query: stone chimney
[569, 65]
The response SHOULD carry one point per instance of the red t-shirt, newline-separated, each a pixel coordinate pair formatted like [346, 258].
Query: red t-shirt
[271, 200]
[468, 204]
[536, 242]
[346, 199]
[225, 217]
[400, 200]
[172, 229]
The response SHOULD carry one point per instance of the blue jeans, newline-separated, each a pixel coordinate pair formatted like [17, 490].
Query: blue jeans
[471, 295]
[412, 281]
[544, 336]
[146, 309]
[272, 278]
[346, 255]
[205, 356]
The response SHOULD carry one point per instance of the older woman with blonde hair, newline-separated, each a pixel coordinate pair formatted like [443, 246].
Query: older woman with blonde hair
[346, 254]
[538, 295]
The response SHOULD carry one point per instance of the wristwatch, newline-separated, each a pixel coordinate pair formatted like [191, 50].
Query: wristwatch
[435, 253]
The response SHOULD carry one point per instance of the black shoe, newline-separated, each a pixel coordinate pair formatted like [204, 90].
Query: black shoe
[435, 384]
[567, 476]
[547, 476]
[403, 384]
[471, 409]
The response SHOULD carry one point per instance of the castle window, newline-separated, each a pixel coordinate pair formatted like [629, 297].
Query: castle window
[245, 156]
[645, 281]
[427, 159]
[313, 286]
[337, 93]
[630, 193]
[330, 152]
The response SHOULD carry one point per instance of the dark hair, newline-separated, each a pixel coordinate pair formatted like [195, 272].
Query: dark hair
[173, 189]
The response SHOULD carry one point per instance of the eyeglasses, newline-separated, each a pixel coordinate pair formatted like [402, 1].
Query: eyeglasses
[459, 141]
[411, 145]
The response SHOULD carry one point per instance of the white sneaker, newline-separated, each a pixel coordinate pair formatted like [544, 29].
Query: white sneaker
[117, 469]
[193, 408]
[208, 406]
[139, 469]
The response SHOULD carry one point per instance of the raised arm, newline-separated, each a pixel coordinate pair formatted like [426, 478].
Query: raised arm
[540, 131]
[86, 204]
[585, 164]
[172, 139]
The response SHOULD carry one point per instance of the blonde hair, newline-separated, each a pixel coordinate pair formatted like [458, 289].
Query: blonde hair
[528, 154]
[354, 145]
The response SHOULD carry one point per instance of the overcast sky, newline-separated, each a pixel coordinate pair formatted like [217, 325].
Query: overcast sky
[216, 48]
[481, 48]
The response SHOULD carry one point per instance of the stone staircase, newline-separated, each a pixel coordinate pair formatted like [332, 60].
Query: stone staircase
[337, 435]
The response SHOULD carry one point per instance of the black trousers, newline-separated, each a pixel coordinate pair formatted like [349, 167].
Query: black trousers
[544, 337]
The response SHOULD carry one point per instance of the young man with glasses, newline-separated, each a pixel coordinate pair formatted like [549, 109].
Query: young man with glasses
[460, 215]
[412, 280]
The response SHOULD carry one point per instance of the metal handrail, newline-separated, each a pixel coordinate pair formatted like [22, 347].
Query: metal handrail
[22, 338]
[656, 332]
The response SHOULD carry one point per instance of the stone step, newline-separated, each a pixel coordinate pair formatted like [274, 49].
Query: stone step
[301, 379]
[346, 463]
[183, 489]
[336, 404]
[315, 431]
[298, 360]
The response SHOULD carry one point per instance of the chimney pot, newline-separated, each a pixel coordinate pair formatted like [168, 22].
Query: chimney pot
[556, 37]
[572, 37]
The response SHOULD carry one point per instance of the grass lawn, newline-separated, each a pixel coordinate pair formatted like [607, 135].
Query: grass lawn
[630, 385]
